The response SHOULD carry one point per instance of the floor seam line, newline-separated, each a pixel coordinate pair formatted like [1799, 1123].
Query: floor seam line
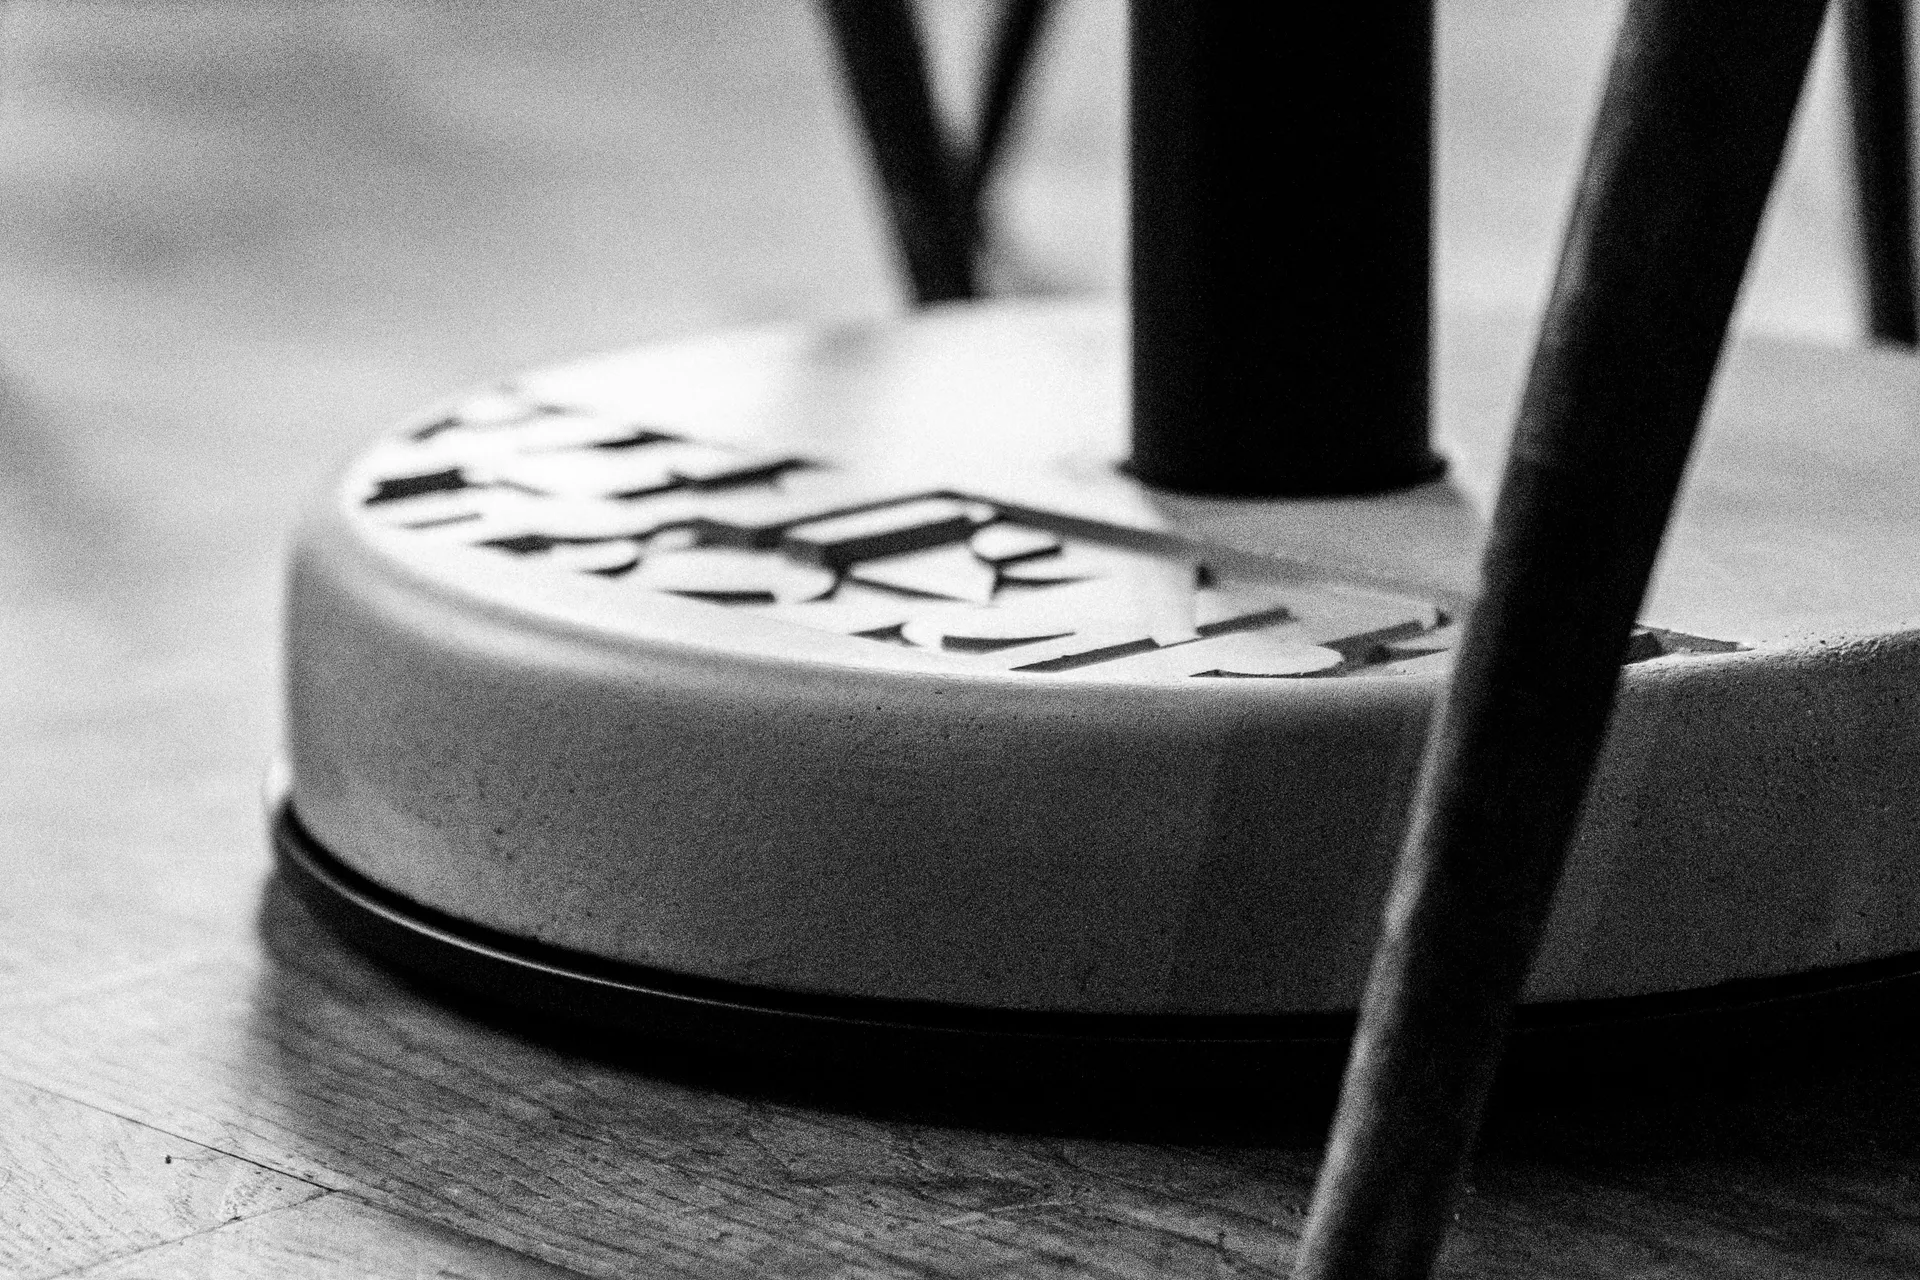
[36, 1085]
[85, 1267]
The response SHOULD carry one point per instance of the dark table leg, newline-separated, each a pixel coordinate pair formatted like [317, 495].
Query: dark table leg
[1690, 132]
[1281, 219]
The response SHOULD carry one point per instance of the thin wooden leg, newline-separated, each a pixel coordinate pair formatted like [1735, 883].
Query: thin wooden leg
[879, 47]
[1875, 34]
[1688, 138]
[1009, 58]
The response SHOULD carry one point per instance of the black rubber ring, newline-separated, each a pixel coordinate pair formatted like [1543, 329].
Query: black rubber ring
[621, 1003]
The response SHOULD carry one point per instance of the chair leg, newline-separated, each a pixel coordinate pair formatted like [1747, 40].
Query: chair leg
[879, 47]
[1009, 58]
[1688, 139]
[1875, 35]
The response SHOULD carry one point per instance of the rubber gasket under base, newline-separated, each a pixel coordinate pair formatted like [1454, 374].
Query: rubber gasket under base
[622, 1005]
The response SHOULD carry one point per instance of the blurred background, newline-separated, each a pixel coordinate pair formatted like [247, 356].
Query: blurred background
[329, 210]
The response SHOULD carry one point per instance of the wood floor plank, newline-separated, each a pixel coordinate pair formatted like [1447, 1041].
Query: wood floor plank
[313, 1061]
[78, 1185]
[324, 1239]
[320, 1065]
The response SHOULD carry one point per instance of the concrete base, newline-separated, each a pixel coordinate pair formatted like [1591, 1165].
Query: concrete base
[846, 663]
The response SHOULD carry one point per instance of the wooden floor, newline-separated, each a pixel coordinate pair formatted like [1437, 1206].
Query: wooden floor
[239, 238]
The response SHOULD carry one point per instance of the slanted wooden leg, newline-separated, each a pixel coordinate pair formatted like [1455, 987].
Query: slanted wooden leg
[1009, 58]
[935, 189]
[1689, 136]
[1877, 92]
[879, 46]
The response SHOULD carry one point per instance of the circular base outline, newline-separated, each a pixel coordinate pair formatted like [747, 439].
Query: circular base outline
[620, 1004]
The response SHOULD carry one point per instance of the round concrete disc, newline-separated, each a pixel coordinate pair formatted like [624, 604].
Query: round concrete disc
[846, 665]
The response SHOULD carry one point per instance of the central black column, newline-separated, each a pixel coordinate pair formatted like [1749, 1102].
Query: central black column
[1281, 224]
